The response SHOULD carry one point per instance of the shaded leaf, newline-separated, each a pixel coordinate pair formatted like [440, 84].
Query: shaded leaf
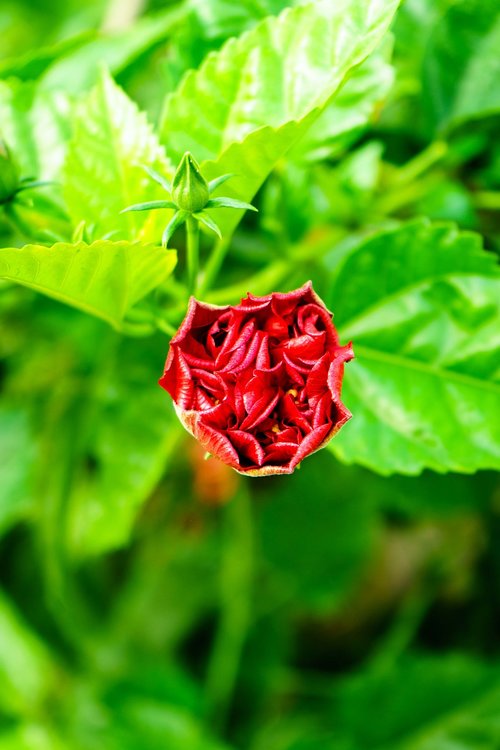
[80, 70]
[16, 450]
[422, 305]
[317, 541]
[423, 703]
[27, 672]
[462, 65]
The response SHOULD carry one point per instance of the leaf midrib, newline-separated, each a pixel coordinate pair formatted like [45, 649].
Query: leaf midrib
[380, 303]
[390, 358]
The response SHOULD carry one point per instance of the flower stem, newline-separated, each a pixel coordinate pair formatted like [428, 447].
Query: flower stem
[193, 252]
[214, 264]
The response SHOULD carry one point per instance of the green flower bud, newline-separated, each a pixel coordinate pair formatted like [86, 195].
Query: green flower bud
[189, 187]
[9, 176]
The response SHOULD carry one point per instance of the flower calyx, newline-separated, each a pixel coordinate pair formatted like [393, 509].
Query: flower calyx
[190, 197]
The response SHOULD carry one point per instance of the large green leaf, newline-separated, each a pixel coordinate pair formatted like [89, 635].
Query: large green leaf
[316, 542]
[250, 102]
[126, 440]
[421, 304]
[422, 703]
[32, 64]
[350, 109]
[27, 672]
[462, 64]
[103, 173]
[104, 279]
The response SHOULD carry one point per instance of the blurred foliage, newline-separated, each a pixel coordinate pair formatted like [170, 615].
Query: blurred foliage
[150, 599]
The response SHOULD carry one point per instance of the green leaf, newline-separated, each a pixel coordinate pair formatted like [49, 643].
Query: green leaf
[16, 450]
[462, 64]
[350, 109]
[250, 102]
[424, 702]
[36, 126]
[127, 438]
[421, 304]
[80, 70]
[30, 736]
[104, 279]
[34, 63]
[316, 542]
[218, 181]
[103, 175]
[157, 177]
[27, 672]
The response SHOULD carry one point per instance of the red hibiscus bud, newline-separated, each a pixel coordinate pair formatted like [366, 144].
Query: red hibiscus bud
[258, 384]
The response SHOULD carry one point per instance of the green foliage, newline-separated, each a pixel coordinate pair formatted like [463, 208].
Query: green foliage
[153, 599]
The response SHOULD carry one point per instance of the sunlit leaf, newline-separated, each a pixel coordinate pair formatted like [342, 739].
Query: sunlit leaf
[250, 102]
[104, 279]
[103, 172]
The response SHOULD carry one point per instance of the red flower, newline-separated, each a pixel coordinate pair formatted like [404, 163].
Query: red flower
[258, 384]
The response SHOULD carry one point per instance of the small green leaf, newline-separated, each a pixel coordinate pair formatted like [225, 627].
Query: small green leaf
[104, 279]
[229, 203]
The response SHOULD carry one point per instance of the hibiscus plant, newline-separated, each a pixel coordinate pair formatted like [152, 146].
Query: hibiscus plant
[207, 209]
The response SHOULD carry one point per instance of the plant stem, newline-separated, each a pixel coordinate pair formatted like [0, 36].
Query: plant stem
[235, 590]
[214, 264]
[421, 163]
[193, 252]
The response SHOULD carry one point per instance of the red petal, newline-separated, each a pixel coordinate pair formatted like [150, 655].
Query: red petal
[259, 410]
[247, 446]
[177, 379]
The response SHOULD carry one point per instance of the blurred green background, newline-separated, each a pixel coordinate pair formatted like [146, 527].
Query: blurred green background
[151, 600]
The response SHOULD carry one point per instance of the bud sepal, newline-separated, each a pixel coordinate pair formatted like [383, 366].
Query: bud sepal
[190, 197]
